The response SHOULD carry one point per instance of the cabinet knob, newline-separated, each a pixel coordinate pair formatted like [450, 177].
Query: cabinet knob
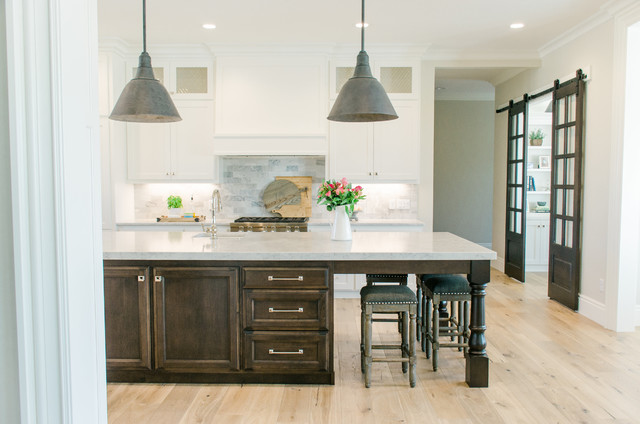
[167, 173]
[375, 173]
[141, 278]
[370, 173]
[173, 173]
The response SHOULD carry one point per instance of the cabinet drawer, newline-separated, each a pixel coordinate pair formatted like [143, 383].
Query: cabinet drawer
[286, 351]
[301, 278]
[285, 309]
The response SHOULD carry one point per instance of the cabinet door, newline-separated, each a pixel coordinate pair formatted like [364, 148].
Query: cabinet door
[531, 250]
[149, 151]
[127, 317]
[196, 319]
[350, 150]
[396, 145]
[192, 80]
[192, 142]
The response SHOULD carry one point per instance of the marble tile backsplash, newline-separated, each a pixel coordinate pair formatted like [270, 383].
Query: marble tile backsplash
[244, 179]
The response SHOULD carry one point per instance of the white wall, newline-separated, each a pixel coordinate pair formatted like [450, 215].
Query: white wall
[594, 49]
[9, 399]
[425, 189]
[463, 169]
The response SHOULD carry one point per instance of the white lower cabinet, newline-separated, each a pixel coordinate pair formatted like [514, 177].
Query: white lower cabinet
[179, 151]
[378, 152]
[537, 243]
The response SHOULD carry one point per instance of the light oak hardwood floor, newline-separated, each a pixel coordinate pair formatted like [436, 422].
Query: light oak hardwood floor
[548, 365]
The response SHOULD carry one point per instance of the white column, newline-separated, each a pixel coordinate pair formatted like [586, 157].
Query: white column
[55, 195]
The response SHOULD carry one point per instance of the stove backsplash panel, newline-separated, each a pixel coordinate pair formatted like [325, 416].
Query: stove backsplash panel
[244, 179]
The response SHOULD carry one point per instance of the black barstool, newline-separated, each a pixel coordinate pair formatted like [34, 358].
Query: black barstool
[395, 299]
[454, 289]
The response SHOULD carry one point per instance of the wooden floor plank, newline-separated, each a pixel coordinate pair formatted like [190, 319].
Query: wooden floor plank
[548, 364]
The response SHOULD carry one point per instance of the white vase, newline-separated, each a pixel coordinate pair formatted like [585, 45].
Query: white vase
[341, 229]
[175, 213]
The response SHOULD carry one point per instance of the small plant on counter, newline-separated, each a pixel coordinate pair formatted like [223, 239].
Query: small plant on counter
[334, 193]
[174, 202]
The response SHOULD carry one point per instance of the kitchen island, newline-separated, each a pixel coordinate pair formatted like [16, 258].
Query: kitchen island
[258, 307]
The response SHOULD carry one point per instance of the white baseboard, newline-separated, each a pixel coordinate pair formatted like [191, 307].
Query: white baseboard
[637, 315]
[536, 268]
[498, 264]
[592, 309]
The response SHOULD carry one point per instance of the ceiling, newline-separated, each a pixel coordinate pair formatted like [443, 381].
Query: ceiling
[444, 25]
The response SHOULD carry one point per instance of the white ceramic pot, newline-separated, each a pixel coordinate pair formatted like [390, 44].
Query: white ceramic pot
[341, 229]
[175, 213]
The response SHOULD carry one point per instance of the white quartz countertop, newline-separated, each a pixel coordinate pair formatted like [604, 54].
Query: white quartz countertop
[312, 221]
[164, 245]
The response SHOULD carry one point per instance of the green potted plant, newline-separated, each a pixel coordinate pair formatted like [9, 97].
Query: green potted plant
[174, 204]
[536, 137]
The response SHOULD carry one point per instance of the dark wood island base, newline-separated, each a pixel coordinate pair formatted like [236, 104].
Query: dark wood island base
[200, 321]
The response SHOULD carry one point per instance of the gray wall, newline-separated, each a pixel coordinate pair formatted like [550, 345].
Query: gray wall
[463, 168]
[9, 397]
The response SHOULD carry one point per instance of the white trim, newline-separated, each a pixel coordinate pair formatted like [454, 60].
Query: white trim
[498, 264]
[614, 298]
[18, 129]
[57, 139]
[592, 309]
[483, 58]
[637, 315]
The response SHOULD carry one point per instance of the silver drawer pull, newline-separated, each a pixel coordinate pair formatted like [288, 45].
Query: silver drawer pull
[273, 352]
[286, 310]
[298, 278]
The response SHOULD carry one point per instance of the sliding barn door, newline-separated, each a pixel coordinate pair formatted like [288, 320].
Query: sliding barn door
[566, 193]
[516, 193]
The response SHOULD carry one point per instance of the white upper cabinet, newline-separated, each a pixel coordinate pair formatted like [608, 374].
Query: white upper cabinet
[386, 151]
[400, 78]
[184, 79]
[180, 151]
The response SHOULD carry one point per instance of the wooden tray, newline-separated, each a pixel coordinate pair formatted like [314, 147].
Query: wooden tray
[164, 218]
[304, 208]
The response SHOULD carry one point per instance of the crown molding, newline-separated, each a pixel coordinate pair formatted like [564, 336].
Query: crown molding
[483, 58]
[114, 45]
[238, 49]
[607, 11]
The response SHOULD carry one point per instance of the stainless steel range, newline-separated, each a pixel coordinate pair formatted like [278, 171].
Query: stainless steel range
[269, 224]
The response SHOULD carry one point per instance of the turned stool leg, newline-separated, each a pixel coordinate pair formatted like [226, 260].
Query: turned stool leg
[420, 312]
[368, 360]
[405, 340]
[460, 325]
[362, 324]
[428, 329]
[412, 349]
[435, 332]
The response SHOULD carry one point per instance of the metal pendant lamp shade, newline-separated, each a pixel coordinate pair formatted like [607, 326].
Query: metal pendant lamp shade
[362, 98]
[144, 98]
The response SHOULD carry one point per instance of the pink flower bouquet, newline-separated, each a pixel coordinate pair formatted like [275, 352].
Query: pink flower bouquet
[334, 193]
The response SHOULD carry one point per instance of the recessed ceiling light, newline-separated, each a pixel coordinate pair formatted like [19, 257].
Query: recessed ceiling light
[209, 26]
[359, 25]
[516, 25]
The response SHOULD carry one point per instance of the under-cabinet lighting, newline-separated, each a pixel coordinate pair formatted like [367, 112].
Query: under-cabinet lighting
[516, 25]
[359, 25]
[209, 26]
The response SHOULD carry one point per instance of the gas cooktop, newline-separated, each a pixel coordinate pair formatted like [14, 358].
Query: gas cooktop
[270, 219]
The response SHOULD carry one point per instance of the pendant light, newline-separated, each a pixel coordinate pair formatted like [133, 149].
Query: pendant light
[144, 98]
[362, 98]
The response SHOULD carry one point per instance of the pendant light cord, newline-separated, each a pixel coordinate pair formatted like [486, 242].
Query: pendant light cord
[144, 25]
[362, 29]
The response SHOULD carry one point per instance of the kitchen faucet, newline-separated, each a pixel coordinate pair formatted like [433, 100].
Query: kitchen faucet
[216, 206]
